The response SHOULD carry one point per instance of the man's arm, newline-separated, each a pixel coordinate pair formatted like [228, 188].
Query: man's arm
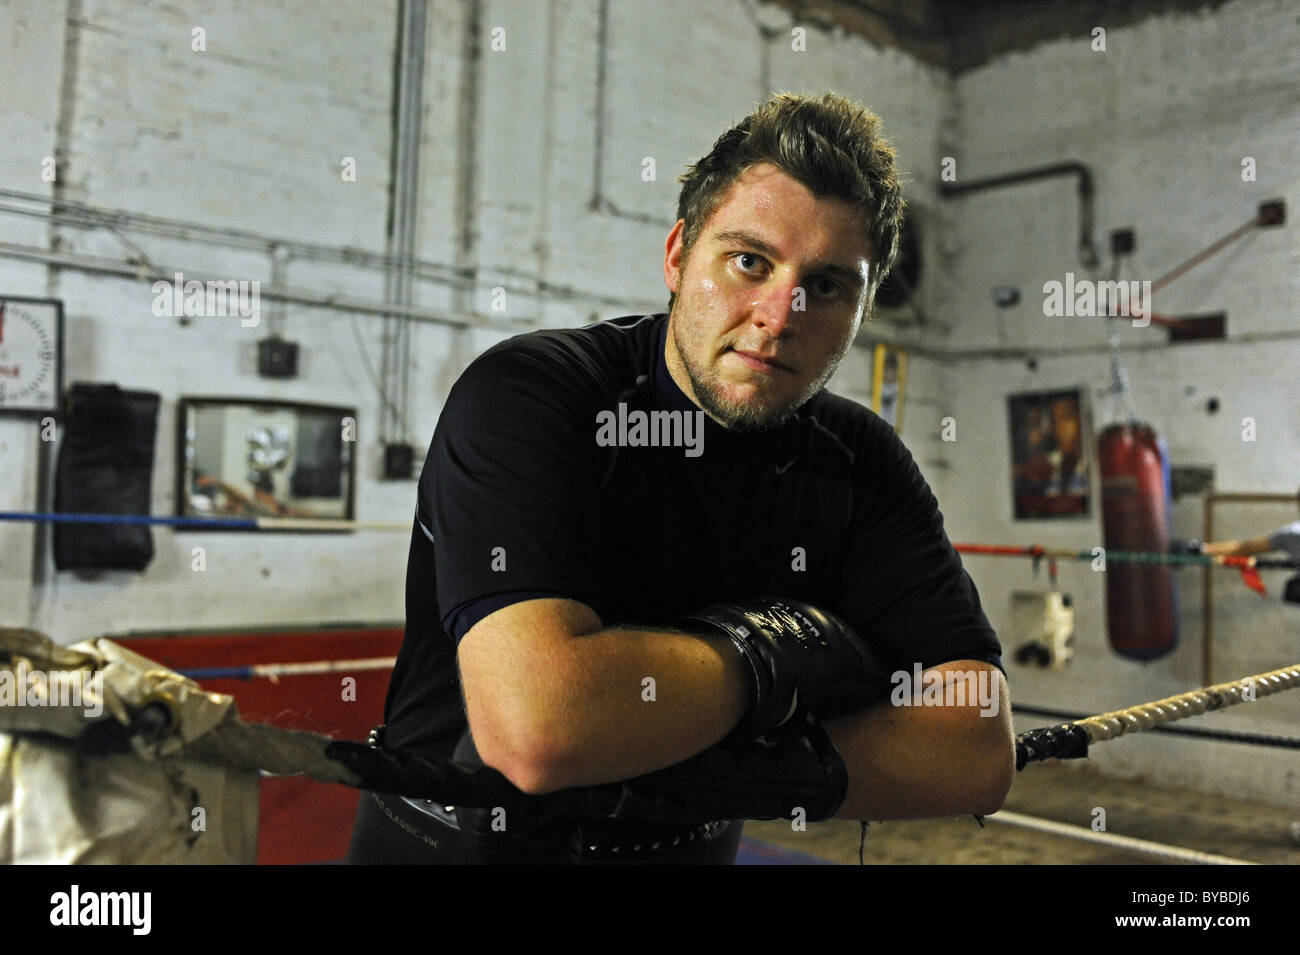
[565, 707]
[1246, 548]
[555, 701]
[909, 762]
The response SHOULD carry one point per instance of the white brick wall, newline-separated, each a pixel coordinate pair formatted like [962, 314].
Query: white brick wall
[1163, 118]
[251, 133]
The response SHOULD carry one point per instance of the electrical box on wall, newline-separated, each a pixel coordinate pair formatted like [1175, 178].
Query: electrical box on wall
[399, 459]
[277, 358]
[1042, 627]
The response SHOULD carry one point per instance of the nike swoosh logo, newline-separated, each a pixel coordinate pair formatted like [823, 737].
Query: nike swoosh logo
[782, 470]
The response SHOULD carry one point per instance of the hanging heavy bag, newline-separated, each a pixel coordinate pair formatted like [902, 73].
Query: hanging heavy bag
[105, 467]
[1141, 599]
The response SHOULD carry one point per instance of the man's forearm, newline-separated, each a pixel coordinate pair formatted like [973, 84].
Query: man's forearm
[909, 762]
[1256, 545]
[618, 703]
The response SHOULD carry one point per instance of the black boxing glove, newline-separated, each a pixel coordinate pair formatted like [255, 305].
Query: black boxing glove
[1185, 547]
[1291, 593]
[800, 657]
[794, 767]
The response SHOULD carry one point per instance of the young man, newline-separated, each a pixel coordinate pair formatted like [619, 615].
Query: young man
[567, 566]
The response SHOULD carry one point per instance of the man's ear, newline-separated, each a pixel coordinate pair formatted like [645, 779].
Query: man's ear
[673, 257]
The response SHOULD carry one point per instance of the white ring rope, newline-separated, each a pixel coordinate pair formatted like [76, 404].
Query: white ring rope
[1127, 843]
[1144, 716]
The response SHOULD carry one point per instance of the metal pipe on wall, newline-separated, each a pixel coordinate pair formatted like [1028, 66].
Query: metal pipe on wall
[87, 216]
[404, 190]
[331, 300]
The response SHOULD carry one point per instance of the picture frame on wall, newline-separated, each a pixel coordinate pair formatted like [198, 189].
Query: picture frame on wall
[1051, 458]
[888, 383]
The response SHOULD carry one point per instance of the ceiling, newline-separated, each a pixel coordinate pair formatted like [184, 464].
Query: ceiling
[960, 35]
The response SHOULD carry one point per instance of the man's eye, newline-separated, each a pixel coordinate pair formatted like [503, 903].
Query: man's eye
[827, 288]
[754, 259]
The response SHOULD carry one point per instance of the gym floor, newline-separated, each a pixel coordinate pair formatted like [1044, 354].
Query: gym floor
[1066, 793]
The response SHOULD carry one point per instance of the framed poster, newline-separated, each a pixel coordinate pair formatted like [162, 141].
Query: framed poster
[888, 381]
[31, 355]
[239, 457]
[1050, 466]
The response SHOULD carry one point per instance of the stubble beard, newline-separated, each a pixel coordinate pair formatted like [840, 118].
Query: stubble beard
[741, 417]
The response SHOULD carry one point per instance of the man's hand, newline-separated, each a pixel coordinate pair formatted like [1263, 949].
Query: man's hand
[800, 656]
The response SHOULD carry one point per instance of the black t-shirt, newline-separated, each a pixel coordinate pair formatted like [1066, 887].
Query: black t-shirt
[518, 498]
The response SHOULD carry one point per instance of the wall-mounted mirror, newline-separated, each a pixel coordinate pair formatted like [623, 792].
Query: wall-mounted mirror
[246, 458]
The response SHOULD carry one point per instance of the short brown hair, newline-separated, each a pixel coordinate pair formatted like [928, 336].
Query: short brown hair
[832, 145]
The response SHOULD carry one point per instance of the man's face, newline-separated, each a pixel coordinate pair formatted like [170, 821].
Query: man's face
[738, 344]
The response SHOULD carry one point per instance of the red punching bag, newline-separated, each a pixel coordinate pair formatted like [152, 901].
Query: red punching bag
[1141, 599]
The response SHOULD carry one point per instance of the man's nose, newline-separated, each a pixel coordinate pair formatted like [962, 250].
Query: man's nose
[774, 308]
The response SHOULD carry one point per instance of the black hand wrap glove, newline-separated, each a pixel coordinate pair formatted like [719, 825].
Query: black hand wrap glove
[801, 657]
[1185, 547]
[793, 767]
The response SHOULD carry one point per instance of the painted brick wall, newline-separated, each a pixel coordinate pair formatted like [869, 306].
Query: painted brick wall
[1164, 118]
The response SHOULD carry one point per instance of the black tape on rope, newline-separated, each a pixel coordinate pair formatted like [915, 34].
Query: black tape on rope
[1066, 741]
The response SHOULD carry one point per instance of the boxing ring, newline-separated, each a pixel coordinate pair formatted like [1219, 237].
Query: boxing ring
[128, 784]
[162, 752]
